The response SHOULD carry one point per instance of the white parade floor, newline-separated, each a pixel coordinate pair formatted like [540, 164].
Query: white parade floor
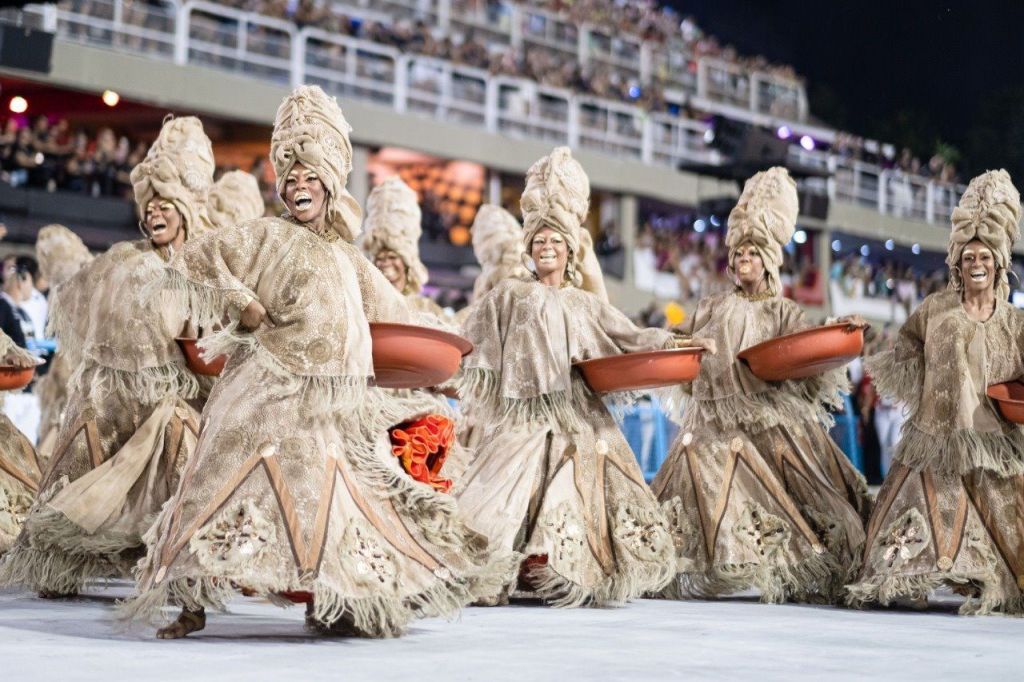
[737, 639]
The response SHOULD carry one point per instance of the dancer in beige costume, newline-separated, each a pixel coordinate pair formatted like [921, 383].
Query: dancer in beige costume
[127, 429]
[294, 488]
[391, 239]
[61, 254]
[756, 492]
[554, 478]
[950, 512]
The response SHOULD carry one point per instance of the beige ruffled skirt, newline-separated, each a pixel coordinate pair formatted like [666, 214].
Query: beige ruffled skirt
[932, 529]
[574, 504]
[19, 480]
[116, 464]
[778, 511]
[282, 499]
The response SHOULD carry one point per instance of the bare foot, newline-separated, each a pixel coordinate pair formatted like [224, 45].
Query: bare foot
[188, 621]
[50, 594]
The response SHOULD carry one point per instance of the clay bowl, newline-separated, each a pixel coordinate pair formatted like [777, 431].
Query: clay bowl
[196, 363]
[1009, 397]
[639, 371]
[407, 356]
[804, 353]
[15, 378]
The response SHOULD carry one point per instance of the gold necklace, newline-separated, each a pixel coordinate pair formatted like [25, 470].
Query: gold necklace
[759, 296]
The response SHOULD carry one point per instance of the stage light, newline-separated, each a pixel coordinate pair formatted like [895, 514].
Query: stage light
[800, 237]
[459, 235]
[715, 221]
[111, 98]
[837, 245]
[916, 249]
[634, 91]
[865, 251]
[807, 143]
[709, 136]
[699, 225]
[19, 105]
[889, 245]
[890, 283]
[784, 133]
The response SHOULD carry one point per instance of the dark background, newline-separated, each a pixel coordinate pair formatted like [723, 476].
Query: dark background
[914, 73]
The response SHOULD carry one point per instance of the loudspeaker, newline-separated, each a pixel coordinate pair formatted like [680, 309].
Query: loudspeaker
[814, 205]
[25, 48]
[747, 145]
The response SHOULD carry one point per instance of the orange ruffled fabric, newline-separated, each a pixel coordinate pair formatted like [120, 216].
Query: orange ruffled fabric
[422, 447]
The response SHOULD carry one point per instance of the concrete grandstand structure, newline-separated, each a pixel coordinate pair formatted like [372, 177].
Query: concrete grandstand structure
[213, 60]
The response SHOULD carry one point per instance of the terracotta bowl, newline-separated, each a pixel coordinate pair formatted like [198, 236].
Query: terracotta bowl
[805, 353]
[407, 356]
[15, 378]
[1009, 398]
[196, 363]
[638, 371]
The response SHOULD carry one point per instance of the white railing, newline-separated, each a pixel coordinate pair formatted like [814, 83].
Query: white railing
[226, 38]
[216, 36]
[441, 89]
[889, 191]
[348, 68]
[135, 26]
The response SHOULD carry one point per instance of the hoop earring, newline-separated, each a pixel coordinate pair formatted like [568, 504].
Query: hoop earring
[570, 267]
[956, 278]
[142, 229]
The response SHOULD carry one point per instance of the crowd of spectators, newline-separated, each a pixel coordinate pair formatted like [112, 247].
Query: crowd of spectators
[906, 285]
[941, 166]
[52, 155]
[644, 19]
[700, 263]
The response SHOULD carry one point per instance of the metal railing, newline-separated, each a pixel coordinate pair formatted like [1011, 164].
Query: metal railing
[198, 32]
[135, 26]
[889, 191]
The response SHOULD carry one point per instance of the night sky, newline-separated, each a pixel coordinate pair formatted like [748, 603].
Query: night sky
[906, 72]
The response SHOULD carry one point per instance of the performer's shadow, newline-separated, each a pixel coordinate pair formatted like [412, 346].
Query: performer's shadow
[92, 615]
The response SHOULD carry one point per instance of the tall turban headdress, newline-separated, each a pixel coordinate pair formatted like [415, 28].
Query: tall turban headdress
[234, 199]
[989, 211]
[498, 246]
[557, 196]
[178, 167]
[392, 223]
[61, 254]
[311, 129]
[765, 216]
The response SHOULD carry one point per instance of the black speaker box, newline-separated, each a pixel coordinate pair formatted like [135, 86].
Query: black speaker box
[25, 48]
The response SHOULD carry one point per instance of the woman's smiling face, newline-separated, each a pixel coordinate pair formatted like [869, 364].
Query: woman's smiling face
[978, 267]
[304, 194]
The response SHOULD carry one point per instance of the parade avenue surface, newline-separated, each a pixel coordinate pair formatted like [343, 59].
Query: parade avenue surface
[735, 639]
